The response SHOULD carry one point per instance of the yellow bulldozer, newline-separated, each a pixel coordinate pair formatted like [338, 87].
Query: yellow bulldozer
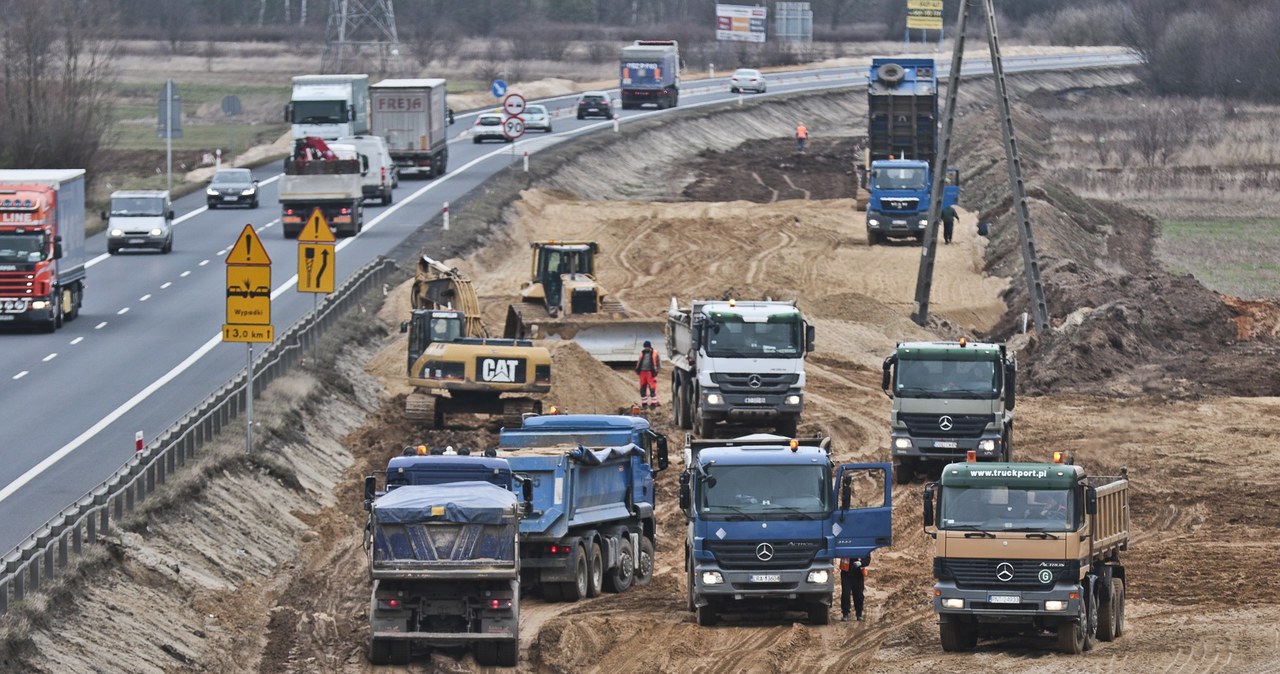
[454, 366]
[564, 300]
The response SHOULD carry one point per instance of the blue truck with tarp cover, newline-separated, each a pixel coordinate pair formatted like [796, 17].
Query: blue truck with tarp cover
[768, 519]
[591, 524]
[444, 560]
[649, 72]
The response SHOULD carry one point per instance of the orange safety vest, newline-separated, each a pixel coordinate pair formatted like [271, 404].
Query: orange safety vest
[802, 132]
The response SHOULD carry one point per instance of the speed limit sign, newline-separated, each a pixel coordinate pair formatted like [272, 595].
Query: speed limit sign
[513, 127]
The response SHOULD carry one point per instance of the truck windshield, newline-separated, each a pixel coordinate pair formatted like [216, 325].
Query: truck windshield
[733, 339]
[1001, 508]
[137, 206]
[319, 112]
[771, 490]
[898, 178]
[22, 248]
[947, 379]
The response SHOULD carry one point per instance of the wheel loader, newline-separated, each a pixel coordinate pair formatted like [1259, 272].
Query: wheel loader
[454, 366]
[564, 300]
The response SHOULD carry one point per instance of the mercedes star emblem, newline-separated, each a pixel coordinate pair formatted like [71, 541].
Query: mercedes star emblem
[764, 552]
[1004, 572]
[754, 381]
[945, 423]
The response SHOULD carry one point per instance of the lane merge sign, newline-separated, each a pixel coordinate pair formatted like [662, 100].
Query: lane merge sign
[317, 256]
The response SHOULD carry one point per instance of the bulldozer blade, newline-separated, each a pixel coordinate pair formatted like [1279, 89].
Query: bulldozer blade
[611, 342]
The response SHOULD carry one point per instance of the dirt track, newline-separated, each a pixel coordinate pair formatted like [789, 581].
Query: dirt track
[277, 583]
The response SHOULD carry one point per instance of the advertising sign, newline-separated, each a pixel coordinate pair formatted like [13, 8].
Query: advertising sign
[740, 23]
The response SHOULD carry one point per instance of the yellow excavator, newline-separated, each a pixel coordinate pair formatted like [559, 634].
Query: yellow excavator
[454, 366]
[564, 300]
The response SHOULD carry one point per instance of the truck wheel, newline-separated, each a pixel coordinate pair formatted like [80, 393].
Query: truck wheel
[380, 651]
[1107, 614]
[595, 571]
[551, 592]
[644, 564]
[486, 654]
[1117, 589]
[819, 614]
[621, 576]
[904, 471]
[577, 589]
[690, 606]
[957, 634]
[704, 427]
[1077, 637]
[400, 652]
[707, 616]
[786, 429]
[508, 654]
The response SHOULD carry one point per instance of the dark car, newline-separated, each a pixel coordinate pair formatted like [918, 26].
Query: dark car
[594, 104]
[233, 187]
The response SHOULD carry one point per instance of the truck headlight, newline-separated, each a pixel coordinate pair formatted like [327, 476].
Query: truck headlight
[155, 232]
[953, 603]
[987, 445]
[712, 578]
[793, 400]
[902, 443]
[923, 223]
[117, 232]
[714, 399]
[872, 222]
[819, 576]
[1055, 605]
[40, 304]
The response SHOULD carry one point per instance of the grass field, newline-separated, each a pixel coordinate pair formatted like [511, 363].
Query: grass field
[1238, 257]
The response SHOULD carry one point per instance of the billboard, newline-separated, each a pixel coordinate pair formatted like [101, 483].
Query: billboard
[740, 23]
[925, 14]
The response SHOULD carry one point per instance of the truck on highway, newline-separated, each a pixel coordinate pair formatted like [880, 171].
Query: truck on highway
[1028, 548]
[948, 398]
[323, 176]
[413, 116]
[42, 246]
[769, 518]
[444, 560]
[737, 361]
[328, 106]
[650, 73]
[902, 140]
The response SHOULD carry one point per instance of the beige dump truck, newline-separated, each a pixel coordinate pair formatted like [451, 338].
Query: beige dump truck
[1028, 548]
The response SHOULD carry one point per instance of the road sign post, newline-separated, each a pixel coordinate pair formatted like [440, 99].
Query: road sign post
[248, 307]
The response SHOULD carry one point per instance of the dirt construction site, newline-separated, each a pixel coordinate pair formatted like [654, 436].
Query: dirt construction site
[255, 564]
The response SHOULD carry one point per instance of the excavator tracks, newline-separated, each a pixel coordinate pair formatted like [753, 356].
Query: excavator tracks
[422, 408]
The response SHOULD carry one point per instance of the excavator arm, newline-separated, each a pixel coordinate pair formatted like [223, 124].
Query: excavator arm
[437, 286]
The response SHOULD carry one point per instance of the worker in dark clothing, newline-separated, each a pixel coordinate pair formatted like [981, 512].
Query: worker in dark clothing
[648, 366]
[853, 577]
[948, 223]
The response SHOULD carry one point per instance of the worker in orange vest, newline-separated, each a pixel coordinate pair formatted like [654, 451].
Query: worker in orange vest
[853, 576]
[802, 136]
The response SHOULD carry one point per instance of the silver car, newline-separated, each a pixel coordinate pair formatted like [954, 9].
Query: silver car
[745, 79]
[536, 117]
[488, 126]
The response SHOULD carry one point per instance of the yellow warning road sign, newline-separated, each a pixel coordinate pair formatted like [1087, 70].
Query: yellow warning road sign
[316, 230]
[248, 249]
[248, 333]
[316, 262]
[248, 295]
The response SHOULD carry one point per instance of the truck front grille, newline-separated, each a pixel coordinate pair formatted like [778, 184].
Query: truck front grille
[747, 554]
[990, 573]
[899, 205]
[936, 425]
[763, 383]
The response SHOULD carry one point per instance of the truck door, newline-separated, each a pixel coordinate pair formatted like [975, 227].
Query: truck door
[951, 188]
[862, 520]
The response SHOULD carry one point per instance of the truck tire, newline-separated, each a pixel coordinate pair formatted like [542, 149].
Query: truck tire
[551, 593]
[890, 73]
[707, 616]
[1117, 587]
[1111, 612]
[644, 562]
[620, 577]
[380, 651]
[957, 634]
[689, 604]
[704, 428]
[487, 653]
[786, 428]
[904, 471]
[819, 614]
[595, 571]
[1076, 637]
[400, 652]
[508, 654]
[577, 589]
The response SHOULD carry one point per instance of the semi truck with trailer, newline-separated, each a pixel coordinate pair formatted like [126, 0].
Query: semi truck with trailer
[948, 398]
[444, 561]
[740, 362]
[902, 143]
[650, 73]
[769, 518]
[412, 115]
[1028, 548]
[42, 247]
[328, 106]
[324, 176]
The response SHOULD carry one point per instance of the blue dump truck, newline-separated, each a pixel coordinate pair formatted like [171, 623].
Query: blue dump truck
[769, 518]
[444, 558]
[902, 143]
[591, 524]
[649, 72]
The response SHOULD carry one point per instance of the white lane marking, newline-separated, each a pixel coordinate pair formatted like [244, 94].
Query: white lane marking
[77, 340]
[49, 357]
[20, 375]
[185, 274]
[122, 311]
[144, 298]
[269, 224]
[166, 284]
[100, 325]
[203, 262]
[223, 252]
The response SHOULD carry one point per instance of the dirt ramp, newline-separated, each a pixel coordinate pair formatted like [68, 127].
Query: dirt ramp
[580, 384]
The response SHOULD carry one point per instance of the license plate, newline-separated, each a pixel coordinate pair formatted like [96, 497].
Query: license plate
[1004, 599]
[755, 400]
[231, 198]
[136, 241]
[8, 317]
[899, 222]
[944, 444]
[766, 578]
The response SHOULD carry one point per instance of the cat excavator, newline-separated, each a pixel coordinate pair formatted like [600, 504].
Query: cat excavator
[453, 364]
[563, 299]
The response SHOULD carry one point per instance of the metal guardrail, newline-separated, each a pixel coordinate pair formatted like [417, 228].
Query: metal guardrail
[39, 558]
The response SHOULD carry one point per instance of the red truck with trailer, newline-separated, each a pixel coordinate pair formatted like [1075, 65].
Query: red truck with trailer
[42, 246]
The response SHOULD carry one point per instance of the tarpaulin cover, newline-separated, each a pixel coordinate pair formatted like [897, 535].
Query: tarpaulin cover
[595, 457]
[458, 502]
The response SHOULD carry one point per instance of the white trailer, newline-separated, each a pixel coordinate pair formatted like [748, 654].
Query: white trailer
[411, 114]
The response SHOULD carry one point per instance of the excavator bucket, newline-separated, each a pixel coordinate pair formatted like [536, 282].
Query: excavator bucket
[609, 338]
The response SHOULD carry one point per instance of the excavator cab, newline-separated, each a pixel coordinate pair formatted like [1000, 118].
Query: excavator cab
[427, 327]
[567, 267]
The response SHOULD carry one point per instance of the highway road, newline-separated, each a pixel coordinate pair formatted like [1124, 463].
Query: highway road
[147, 347]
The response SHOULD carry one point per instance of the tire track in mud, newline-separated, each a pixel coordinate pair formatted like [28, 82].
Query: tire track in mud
[761, 259]
[773, 194]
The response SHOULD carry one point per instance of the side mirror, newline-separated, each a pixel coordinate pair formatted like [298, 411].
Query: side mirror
[351, 113]
[1010, 384]
[1090, 501]
[686, 497]
[255, 181]
[526, 494]
[404, 327]
[450, 115]
[57, 247]
[809, 333]
[171, 216]
[288, 112]
[846, 491]
[886, 377]
[370, 489]
[103, 215]
[663, 458]
[928, 505]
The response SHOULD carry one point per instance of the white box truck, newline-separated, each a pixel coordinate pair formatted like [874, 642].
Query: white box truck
[328, 106]
[413, 117]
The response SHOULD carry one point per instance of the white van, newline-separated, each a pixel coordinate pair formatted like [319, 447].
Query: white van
[382, 175]
[139, 219]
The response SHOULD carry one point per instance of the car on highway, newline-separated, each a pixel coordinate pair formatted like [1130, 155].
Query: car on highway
[537, 117]
[232, 187]
[594, 104]
[139, 219]
[745, 79]
[488, 126]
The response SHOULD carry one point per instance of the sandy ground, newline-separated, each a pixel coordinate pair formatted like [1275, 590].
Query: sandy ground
[261, 570]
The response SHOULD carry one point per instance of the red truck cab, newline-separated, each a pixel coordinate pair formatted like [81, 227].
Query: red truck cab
[42, 246]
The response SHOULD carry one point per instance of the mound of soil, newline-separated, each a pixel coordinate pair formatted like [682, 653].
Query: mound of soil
[765, 171]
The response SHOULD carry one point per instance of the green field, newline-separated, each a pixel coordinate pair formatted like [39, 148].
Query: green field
[1238, 257]
[232, 138]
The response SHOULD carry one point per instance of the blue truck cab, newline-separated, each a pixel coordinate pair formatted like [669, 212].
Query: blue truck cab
[769, 517]
[649, 72]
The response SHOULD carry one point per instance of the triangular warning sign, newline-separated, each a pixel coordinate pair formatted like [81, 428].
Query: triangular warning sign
[316, 230]
[248, 250]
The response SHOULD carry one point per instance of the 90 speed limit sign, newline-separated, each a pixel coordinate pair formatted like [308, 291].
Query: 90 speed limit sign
[513, 127]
